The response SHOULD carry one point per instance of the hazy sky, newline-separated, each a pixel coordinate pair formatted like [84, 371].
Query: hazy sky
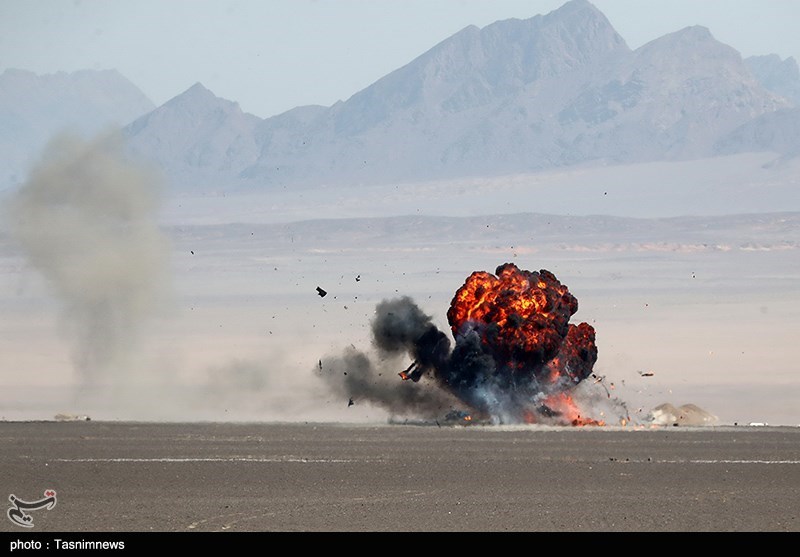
[272, 55]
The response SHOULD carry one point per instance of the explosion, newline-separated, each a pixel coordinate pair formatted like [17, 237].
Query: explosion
[516, 358]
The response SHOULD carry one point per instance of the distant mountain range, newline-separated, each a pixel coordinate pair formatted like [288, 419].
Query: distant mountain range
[516, 96]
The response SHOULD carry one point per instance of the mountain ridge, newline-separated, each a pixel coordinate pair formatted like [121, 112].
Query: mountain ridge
[516, 96]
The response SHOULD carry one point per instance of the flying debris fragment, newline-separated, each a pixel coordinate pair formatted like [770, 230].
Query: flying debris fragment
[350, 403]
[413, 372]
[598, 380]
[646, 373]
[322, 293]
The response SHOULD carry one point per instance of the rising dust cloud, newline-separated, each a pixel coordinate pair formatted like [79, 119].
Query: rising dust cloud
[86, 220]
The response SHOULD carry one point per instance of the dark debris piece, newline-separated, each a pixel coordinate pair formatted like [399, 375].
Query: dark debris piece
[321, 292]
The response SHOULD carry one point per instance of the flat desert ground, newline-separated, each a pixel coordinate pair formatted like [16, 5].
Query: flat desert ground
[141, 477]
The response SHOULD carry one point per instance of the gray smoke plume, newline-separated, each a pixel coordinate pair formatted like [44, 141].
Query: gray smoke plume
[86, 219]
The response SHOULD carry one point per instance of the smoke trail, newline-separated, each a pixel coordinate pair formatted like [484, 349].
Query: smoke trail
[86, 219]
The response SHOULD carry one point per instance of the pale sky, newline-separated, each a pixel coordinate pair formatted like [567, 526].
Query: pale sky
[273, 55]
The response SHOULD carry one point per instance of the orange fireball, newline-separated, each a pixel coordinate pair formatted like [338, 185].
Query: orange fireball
[523, 321]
